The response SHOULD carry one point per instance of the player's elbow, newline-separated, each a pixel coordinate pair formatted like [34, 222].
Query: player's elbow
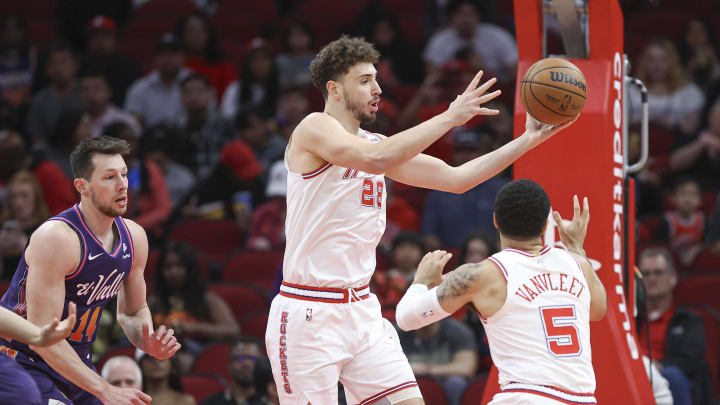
[376, 162]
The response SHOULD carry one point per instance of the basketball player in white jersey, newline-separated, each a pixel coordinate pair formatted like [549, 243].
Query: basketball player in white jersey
[325, 326]
[536, 302]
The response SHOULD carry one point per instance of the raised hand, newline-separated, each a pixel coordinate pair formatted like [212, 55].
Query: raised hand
[539, 132]
[430, 269]
[468, 104]
[57, 330]
[124, 396]
[572, 233]
[161, 344]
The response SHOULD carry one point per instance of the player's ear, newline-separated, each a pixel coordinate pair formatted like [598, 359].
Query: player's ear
[80, 185]
[332, 88]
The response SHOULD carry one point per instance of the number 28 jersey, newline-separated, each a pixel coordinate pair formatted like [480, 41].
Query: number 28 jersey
[541, 335]
[335, 219]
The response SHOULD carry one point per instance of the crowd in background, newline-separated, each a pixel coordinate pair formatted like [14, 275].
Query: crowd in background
[208, 93]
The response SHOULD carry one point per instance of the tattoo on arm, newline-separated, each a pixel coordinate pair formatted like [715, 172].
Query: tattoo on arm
[457, 283]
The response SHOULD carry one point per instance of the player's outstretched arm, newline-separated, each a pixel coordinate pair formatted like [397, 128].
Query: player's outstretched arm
[432, 173]
[434, 296]
[324, 137]
[53, 252]
[132, 309]
[13, 326]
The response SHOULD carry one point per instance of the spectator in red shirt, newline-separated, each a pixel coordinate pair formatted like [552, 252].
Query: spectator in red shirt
[676, 337]
[57, 188]
[683, 228]
[203, 53]
[268, 220]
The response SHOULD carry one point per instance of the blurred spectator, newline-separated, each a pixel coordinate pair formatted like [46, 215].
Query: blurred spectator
[683, 228]
[122, 371]
[24, 212]
[486, 46]
[700, 156]
[63, 93]
[182, 301]
[407, 251]
[157, 144]
[677, 337]
[673, 102]
[252, 127]
[205, 131]
[293, 64]
[202, 52]
[268, 220]
[56, 187]
[292, 107]
[500, 124]
[400, 63]
[73, 16]
[156, 98]
[445, 351]
[713, 235]
[698, 52]
[161, 380]
[148, 198]
[17, 60]
[257, 87]
[71, 127]
[95, 93]
[248, 386]
[103, 56]
[449, 218]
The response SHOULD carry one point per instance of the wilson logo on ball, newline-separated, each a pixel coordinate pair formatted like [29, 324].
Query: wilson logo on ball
[567, 78]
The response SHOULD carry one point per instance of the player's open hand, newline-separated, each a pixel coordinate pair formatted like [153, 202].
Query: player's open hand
[539, 132]
[124, 396]
[572, 233]
[468, 104]
[57, 330]
[431, 266]
[162, 344]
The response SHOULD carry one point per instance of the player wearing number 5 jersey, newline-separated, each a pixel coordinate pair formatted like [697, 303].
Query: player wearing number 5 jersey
[87, 254]
[325, 326]
[536, 302]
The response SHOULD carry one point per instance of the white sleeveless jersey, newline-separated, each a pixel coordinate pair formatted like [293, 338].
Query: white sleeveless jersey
[335, 218]
[541, 335]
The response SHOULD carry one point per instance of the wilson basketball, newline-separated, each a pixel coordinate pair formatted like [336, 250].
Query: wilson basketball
[553, 91]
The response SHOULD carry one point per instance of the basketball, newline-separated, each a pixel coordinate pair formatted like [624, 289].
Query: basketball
[553, 91]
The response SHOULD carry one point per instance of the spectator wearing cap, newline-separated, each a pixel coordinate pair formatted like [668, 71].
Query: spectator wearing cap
[489, 46]
[203, 53]
[449, 218]
[122, 371]
[268, 220]
[62, 94]
[102, 55]
[99, 111]
[157, 97]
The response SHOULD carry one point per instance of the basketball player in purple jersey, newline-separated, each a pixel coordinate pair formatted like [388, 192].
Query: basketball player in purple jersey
[87, 254]
[18, 387]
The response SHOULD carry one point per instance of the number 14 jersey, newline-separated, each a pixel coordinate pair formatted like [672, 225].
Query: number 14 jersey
[335, 219]
[541, 335]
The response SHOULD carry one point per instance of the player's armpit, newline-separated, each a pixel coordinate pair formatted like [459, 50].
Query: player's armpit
[478, 283]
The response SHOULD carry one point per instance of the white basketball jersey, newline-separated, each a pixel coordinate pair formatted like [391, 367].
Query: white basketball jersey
[335, 219]
[541, 335]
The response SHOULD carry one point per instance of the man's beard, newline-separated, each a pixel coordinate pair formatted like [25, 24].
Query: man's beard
[107, 209]
[356, 110]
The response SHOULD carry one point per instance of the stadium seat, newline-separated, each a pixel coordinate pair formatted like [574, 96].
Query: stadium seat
[253, 266]
[658, 22]
[699, 290]
[707, 261]
[169, 9]
[201, 386]
[214, 360]
[711, 320]
[474, 392]
[255, 324]
[217, 238]
[647, 227]
[242, 299]
[432, 392]
[128, 350]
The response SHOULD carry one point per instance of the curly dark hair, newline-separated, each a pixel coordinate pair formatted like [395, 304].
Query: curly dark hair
[521, 209]
[337, 57]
